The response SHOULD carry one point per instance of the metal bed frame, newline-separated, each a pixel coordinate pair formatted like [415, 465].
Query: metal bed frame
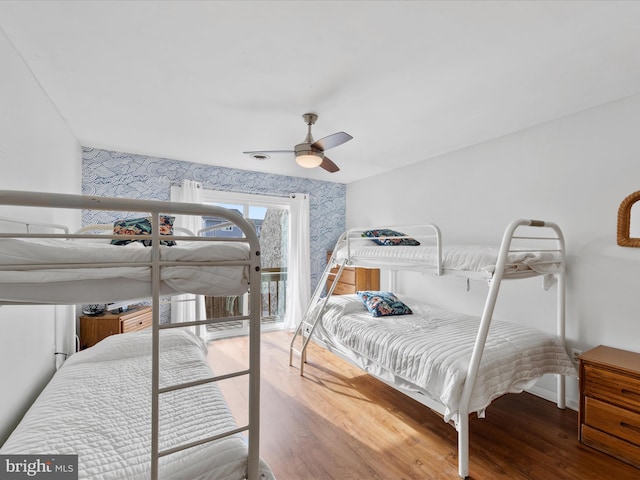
[431, 233]
[154, 209]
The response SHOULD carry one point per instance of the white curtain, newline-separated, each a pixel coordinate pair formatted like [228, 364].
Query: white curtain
[183, 307]
[299, 268]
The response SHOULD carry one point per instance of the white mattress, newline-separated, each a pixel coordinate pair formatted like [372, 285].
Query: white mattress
[66, 285]
[429, 351]
[98, 406]
[470, 260]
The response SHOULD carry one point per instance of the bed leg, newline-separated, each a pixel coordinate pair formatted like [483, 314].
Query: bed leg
[562, 396]
[463, 446]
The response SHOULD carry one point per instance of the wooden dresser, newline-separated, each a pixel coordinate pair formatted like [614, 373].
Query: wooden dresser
[610, 402]
[354, 279]
[95, 328]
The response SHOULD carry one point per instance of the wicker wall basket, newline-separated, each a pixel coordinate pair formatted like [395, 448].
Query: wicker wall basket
[624, 221]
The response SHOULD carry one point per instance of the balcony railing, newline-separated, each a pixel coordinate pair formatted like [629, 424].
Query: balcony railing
[274, 293]
[274, 299]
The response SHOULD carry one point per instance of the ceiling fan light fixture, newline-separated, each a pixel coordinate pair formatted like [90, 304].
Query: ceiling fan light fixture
[309, 159]
[310, 153]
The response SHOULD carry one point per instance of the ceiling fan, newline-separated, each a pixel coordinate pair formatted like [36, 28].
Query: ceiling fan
[310, 153]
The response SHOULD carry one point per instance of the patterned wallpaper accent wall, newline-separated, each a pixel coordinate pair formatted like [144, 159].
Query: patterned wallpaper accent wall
[114, 174]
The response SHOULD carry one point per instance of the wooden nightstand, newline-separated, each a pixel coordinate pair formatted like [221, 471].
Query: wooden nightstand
[354, 279]
[95, 328]
[610, 402]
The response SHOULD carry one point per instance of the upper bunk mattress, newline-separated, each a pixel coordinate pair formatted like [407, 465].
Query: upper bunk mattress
[469, 260]
[72, 275]
[98, 406]
[429, 351]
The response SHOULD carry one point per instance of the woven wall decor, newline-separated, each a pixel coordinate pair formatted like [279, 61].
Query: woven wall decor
[624, 221]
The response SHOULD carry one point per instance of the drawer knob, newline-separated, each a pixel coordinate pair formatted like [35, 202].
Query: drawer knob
[629, 393]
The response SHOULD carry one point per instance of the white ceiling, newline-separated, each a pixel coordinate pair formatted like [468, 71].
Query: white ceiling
[203, 81]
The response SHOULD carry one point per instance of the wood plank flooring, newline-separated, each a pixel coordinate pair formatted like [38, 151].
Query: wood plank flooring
[337, 423]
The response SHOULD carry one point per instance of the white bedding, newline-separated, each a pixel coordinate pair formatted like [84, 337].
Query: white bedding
[473, 261]
[98, 406]
[429, 351]
[96, 285]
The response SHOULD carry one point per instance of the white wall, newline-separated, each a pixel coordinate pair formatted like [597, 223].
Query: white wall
[574, 171]
[37, 152]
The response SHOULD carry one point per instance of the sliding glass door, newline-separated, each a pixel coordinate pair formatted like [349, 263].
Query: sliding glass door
[271, 218]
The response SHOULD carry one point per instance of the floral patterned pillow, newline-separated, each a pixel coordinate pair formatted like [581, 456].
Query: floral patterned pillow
[383, 304]
[380, 236]
[142, 226]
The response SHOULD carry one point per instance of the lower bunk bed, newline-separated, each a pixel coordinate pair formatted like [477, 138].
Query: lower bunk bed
[427, 353]
[455, 364]
[98, 405]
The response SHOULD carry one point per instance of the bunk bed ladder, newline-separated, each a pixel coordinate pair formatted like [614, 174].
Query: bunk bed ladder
[312, 314]
[253, 372]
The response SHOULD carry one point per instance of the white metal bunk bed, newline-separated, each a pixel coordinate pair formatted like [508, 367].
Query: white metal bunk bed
[62, 268]
[342, 326]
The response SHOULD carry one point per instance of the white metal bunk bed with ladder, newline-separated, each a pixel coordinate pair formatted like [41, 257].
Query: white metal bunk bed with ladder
[65, 269]
[426, 253]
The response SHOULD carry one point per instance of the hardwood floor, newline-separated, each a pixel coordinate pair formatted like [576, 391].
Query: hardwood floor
[338, 423]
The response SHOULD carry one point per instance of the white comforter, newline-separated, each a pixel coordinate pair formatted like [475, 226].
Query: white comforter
[470, 260]
[429, 351]
[98, 406]
[65, 285]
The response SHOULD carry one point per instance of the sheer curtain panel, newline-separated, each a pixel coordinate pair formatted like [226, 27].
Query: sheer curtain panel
[185, 307]
[299, 269]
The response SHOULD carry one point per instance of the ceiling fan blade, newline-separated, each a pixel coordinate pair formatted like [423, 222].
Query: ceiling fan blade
[328, 165]
[267, 151]
[331, 141]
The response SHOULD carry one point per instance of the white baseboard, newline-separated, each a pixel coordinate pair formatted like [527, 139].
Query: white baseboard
[550, 395]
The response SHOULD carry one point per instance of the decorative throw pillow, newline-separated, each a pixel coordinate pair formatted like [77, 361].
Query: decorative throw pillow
[380, 236]
[142, 226]
[383, 304]
[166, 228]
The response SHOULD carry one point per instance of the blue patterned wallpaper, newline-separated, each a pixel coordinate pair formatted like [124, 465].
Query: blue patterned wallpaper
[114, 174]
